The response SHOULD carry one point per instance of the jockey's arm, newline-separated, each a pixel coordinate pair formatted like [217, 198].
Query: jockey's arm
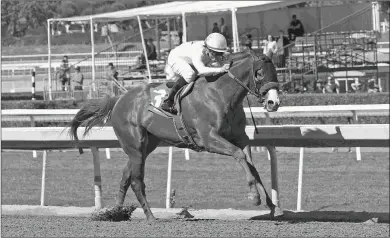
[202, 69]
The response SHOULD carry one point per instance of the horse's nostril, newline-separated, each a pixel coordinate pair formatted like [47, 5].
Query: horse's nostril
[270, 102]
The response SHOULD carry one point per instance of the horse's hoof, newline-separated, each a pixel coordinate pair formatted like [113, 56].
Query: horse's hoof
[277, 212]
[151, 219]
[184, 214]
[256, 201]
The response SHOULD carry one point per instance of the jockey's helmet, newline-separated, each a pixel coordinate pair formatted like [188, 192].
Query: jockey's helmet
[216, 42]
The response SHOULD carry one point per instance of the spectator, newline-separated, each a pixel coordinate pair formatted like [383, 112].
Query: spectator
[180, 33]
[152, 53]
[224, 31]
[78, 80]
[331, 86]
[270, 47]
[104, 33]
[282, 52]
[215, 28]
[357, 87]
[248, 42]
[65, 73]
[141, 58]
[372, 87]
[319, 87]
[295, 29]
[111, 77]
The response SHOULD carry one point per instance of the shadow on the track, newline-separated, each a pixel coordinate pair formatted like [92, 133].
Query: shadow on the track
[330, 216]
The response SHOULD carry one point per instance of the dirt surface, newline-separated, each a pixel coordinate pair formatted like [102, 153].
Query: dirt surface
[27, 221]
[28, 226]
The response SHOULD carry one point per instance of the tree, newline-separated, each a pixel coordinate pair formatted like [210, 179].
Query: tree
[69, 9]
[385, 9]
[20, 15]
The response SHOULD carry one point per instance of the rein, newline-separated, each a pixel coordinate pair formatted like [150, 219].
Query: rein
[258, 95]
[250, 91]
[243, 85]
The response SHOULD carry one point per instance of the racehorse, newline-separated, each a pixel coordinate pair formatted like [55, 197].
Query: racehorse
[213, 116]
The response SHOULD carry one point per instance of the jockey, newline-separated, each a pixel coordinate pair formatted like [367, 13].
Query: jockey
[189, 60]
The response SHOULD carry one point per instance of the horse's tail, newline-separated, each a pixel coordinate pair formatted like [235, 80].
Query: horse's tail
[93, 113]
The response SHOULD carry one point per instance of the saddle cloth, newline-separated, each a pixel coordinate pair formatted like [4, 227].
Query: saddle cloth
[158, 94]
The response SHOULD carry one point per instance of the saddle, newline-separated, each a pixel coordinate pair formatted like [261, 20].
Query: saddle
[165, 119]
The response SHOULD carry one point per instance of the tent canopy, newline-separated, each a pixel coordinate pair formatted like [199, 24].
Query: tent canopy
[187, 7]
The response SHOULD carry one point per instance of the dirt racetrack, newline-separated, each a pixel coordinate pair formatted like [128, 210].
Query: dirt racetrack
[49, 226]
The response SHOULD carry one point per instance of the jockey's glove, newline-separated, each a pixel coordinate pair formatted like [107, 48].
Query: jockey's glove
[225, 68]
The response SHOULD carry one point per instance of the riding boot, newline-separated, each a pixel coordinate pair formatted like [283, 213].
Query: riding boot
[168, 104]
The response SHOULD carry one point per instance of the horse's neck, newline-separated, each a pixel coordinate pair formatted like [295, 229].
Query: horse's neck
[231, 91]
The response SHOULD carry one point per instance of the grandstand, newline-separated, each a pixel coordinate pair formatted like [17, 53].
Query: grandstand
[313, 56]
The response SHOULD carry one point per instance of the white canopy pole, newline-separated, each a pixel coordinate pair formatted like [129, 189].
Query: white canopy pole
[144, 46]
[234, 26]
[157, 39]
[375, 16]
[169, 33]
[49, 56]
[93, 56]
[236, 30]
[184, 27]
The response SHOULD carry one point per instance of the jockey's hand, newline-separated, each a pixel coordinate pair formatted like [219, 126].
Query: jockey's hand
[225, 68]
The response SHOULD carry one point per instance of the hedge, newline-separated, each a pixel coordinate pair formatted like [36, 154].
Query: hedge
[286, 100]
[311, 99]
[20, 96]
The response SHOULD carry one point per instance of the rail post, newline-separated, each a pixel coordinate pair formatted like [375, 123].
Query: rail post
[43, 184]
[300, 175]
[97, 178]
[358, 152]
[168, 196]
[33, 84]
[274, 176]
[187, 154]
[32, 124]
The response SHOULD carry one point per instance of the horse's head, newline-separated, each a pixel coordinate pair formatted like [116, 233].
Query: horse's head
[260, 78]
[266, 83]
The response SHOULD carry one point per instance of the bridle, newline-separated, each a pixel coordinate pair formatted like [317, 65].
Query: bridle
[256, 93]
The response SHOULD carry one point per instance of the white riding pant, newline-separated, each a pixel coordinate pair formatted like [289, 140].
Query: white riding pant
[177, 67]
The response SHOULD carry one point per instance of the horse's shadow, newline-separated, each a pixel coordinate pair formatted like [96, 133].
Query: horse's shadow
[329, 216]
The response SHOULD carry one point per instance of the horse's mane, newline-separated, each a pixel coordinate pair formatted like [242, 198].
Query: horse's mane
[236, 57]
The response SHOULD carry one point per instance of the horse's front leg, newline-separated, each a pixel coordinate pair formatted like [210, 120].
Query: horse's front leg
[220, 145]
[275, 210]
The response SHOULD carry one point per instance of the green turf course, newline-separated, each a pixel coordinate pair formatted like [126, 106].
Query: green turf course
[331, 181]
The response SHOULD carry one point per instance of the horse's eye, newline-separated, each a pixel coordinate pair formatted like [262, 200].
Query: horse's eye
[260, 74]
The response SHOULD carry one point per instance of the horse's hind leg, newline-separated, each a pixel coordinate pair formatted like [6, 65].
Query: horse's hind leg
[134, 172]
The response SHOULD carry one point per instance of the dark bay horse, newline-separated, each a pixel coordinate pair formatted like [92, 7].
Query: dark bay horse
[213, 113]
